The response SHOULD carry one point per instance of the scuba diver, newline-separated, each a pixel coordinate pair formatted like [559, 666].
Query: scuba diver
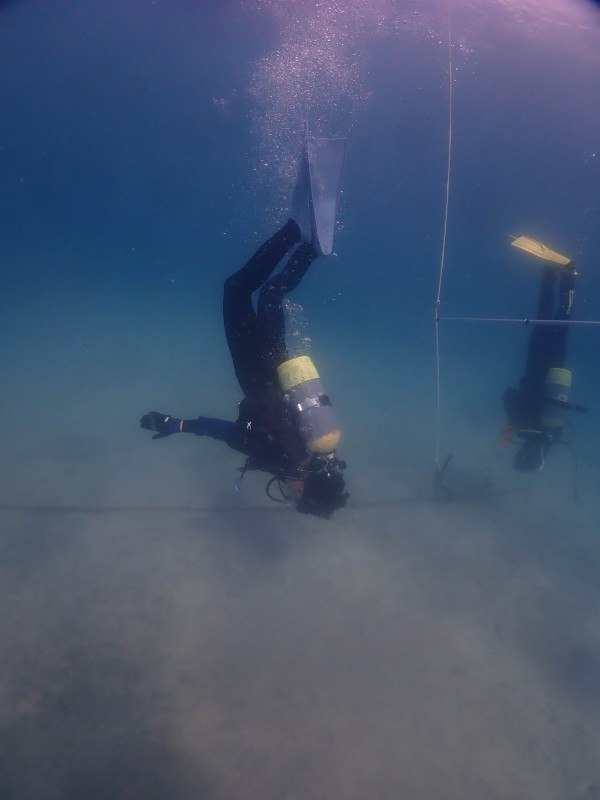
[285, 425]
[537, 409]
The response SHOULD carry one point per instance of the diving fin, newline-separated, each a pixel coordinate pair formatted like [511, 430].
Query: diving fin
[316, 196]
[300, 210]
[325, 166]
[540, 250]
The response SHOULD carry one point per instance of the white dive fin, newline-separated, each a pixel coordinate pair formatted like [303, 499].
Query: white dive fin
[316, 196]
[325, 168]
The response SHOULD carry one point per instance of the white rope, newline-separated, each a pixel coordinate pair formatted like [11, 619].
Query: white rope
[443, 263]
[521, 321]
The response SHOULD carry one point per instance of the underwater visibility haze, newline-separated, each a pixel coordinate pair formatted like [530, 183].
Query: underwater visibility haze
[166, 636]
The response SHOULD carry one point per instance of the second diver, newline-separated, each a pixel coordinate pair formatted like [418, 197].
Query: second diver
[537, 410]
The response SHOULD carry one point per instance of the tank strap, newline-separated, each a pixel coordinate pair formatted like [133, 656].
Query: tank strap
[313, 402]
[528, 431]
[554, 401]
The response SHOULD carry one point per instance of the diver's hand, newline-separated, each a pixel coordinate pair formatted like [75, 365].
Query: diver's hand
[162, 423]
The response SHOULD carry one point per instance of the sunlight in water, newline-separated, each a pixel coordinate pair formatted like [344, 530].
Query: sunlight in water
[317, 68]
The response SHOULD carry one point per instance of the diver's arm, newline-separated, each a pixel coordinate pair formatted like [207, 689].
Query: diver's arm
[165, 425]
[207, 426]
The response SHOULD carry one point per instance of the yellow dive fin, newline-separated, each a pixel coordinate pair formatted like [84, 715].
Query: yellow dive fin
[539, 250]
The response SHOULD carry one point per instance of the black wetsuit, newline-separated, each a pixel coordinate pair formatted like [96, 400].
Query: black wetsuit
[265, 430]
[547, 349]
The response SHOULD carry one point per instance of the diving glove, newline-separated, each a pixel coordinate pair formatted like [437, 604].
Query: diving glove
[162, 423]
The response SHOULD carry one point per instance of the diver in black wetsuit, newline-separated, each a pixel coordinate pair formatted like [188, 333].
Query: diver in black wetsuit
[285, 425]
[536, 410]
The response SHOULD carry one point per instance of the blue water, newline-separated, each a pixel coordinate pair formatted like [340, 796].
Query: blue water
[166, 637]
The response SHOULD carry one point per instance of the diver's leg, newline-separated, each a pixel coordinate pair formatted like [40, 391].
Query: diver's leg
[271, 320]
[239, 316]
[566, 296]
[540, 342]
[558, 334]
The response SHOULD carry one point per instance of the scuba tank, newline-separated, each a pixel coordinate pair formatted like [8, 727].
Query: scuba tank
[556, 398]
[303, 390]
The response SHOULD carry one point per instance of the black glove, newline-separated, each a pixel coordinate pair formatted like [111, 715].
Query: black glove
[163, 423]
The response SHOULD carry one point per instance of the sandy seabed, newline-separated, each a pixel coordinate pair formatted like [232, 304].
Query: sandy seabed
[163, 636]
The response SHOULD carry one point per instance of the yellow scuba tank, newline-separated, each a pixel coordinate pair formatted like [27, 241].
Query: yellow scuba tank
[556, 398]
[303, 390]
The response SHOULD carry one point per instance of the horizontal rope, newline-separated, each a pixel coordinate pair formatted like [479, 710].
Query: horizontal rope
[475, 493]
[66, 509]
[580, 322]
